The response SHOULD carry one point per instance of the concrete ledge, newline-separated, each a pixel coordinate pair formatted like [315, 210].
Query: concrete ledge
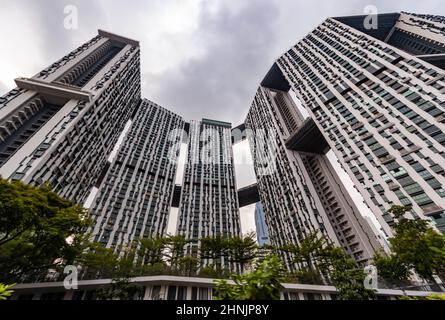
[55, 90]
[118, 38]
[201, 282]
[308, 138]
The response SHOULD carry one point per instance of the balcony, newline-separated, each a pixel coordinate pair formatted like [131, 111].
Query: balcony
[404, 152]
[432, 210]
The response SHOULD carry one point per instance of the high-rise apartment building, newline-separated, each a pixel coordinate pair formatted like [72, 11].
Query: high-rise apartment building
[61, 125]
[135, 196]
[209, 198]
[376, 95]
[262, 233]
[299, 190]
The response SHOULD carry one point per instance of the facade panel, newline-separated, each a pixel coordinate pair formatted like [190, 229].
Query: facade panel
[209, 200]
[61, 125]
[300, 192]
[134, 199]
[381, 108]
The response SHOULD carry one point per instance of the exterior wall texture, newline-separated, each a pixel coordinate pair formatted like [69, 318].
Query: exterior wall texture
[380, 108]
[68, 145]
[300, 192]
[209, 199]
[135, 196]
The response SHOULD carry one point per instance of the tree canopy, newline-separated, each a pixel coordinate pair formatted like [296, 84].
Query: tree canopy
[38, 230]
[415, 246]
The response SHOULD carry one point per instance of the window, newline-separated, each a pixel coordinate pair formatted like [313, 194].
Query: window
[422, 199]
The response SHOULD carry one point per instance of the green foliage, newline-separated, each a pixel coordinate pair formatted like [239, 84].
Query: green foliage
[35, 224]
[158, 268]
[120, 289]
[436, 246]
[436, 297]
[416, 245]
[430, 297]
[151, 250]
[406, 298]
[213, 248]
[213, 271]
[175, 246]
[242, 250]
[392, 269]
[310, 252]
[262, 284]
[187, 266]
[305, 276]
[320, 263]
[100, 261]
[5, 291]
[347, 277]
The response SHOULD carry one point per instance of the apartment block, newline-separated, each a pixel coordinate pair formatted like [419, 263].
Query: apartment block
[376, 96]
[209, 199]
[60, 125]
[135, 196]
[299, 190]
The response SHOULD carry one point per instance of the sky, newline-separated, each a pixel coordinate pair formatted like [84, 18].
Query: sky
[199, 58]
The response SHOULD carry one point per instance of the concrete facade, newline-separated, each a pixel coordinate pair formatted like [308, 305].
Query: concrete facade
[135, 196]
[300, 191]
[209, 198]
[61, 125]
[378, 98]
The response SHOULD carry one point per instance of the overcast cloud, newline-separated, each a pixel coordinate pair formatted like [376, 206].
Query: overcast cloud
[199, 58]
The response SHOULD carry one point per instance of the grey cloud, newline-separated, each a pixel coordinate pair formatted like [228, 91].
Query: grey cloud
[47, 16]
[238, 47]
[221, 84]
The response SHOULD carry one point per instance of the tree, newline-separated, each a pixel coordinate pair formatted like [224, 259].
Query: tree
[310, 250]
[392, 269]
[417, 245]
[213, 249]
[436, 245]
[99, 261]
[312, 257]
[35, 224]
[188, 266]
[347, 278]
[306, 276]
[152, 250]
[262, 284]
[175, 249]
[242, 250]
[210, 271]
